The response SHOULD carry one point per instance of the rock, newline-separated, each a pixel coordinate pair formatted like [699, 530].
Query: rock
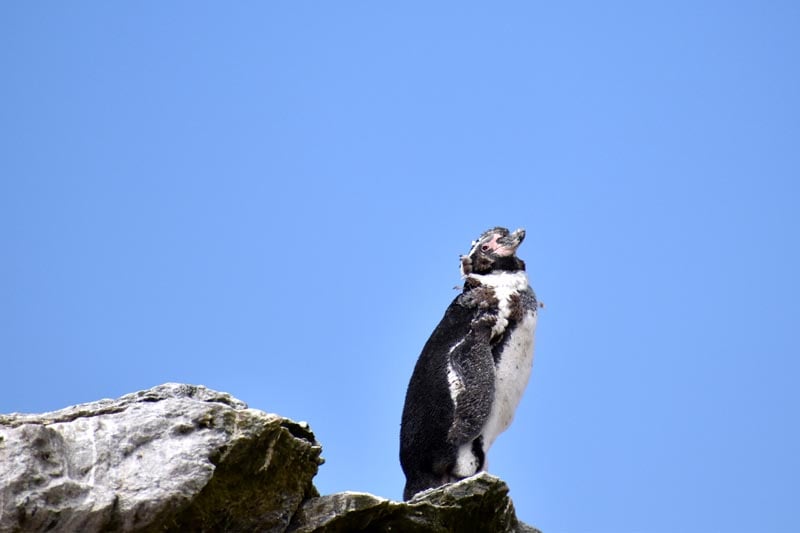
[171, 458]
[187, 458]
[479, 503]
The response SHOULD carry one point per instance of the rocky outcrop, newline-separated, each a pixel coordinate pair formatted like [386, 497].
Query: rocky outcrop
[478, 504]
[175, 457]
[186, 458]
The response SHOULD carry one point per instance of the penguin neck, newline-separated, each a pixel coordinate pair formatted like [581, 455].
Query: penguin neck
[515, 280]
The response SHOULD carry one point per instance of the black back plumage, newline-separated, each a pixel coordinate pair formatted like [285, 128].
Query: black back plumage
[428, 436]
[428, 410]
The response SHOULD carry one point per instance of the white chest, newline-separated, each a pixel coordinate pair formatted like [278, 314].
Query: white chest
[514, 368]
[511, 377]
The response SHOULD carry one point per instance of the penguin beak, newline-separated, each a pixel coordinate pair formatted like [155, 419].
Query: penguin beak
[510, 243]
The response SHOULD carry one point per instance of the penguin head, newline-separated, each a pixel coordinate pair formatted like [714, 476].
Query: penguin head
[494, 250]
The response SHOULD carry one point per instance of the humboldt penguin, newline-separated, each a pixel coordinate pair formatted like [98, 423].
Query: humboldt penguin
[473, 369]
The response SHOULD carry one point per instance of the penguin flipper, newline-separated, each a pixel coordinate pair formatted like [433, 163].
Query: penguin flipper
[473, 370]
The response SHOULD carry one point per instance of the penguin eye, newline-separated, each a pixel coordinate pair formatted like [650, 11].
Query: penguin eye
[484, 248]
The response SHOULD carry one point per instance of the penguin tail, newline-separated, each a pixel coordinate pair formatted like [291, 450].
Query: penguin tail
[419, 482]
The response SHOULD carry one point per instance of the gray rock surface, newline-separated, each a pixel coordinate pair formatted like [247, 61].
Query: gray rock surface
[174, 457]
[477, 504]
[186, 458]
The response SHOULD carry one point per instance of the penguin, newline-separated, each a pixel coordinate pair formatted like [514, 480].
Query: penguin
[473, 369]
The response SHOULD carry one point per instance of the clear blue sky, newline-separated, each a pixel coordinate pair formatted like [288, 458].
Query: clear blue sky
[270, 198]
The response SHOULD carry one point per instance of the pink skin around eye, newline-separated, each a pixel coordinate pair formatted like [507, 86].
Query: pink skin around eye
[491, 245]
[497, 248]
